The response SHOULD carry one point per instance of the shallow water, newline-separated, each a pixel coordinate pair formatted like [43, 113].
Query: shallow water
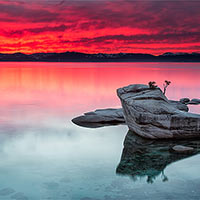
[45, 156]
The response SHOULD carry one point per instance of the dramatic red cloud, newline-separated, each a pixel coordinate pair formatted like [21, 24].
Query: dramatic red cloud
[99, 26]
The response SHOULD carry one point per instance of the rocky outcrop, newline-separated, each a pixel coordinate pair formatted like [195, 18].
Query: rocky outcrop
[150, 114]
[111, 116]
[100, 118]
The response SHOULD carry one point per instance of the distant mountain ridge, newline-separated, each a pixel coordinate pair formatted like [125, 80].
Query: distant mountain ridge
[101, 57]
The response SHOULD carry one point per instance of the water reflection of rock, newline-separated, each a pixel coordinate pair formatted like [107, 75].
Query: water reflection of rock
[148, 158]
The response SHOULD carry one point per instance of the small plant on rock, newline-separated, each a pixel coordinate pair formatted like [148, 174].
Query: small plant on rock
[165, 85]
[152, 85]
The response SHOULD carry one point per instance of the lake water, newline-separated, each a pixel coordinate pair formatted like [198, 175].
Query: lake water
[43, 155]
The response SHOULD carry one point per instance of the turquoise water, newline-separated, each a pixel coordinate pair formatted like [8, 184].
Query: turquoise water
[45, 156]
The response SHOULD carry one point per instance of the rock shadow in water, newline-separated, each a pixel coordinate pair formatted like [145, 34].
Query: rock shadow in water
[148, 158]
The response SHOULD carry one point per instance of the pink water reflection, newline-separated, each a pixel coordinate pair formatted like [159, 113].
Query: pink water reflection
[41, 90]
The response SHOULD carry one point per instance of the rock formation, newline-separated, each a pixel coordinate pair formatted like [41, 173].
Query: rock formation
[150, 114]
[110, 116]
[100, 118]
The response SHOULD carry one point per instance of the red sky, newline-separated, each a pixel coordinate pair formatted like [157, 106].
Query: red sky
[99, 26]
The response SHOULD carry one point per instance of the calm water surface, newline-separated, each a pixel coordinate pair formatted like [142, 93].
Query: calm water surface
[43, 155]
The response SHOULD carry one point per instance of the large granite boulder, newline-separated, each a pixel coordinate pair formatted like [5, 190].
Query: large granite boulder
[100, 118]
[150, 114]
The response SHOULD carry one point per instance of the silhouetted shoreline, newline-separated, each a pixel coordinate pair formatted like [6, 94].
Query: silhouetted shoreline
[100, 57]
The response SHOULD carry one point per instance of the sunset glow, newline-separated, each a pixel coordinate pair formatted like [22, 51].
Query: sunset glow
[59, 87]
[99, 26]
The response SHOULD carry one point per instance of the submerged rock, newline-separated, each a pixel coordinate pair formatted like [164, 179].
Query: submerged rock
[150, 114]
[100, 117]
[182, 149]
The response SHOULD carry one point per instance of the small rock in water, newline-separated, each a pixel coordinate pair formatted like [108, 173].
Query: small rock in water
[182, 149]
[194, 101]
[184, 100]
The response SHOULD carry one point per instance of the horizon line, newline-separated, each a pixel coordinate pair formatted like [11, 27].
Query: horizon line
[18, 52]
